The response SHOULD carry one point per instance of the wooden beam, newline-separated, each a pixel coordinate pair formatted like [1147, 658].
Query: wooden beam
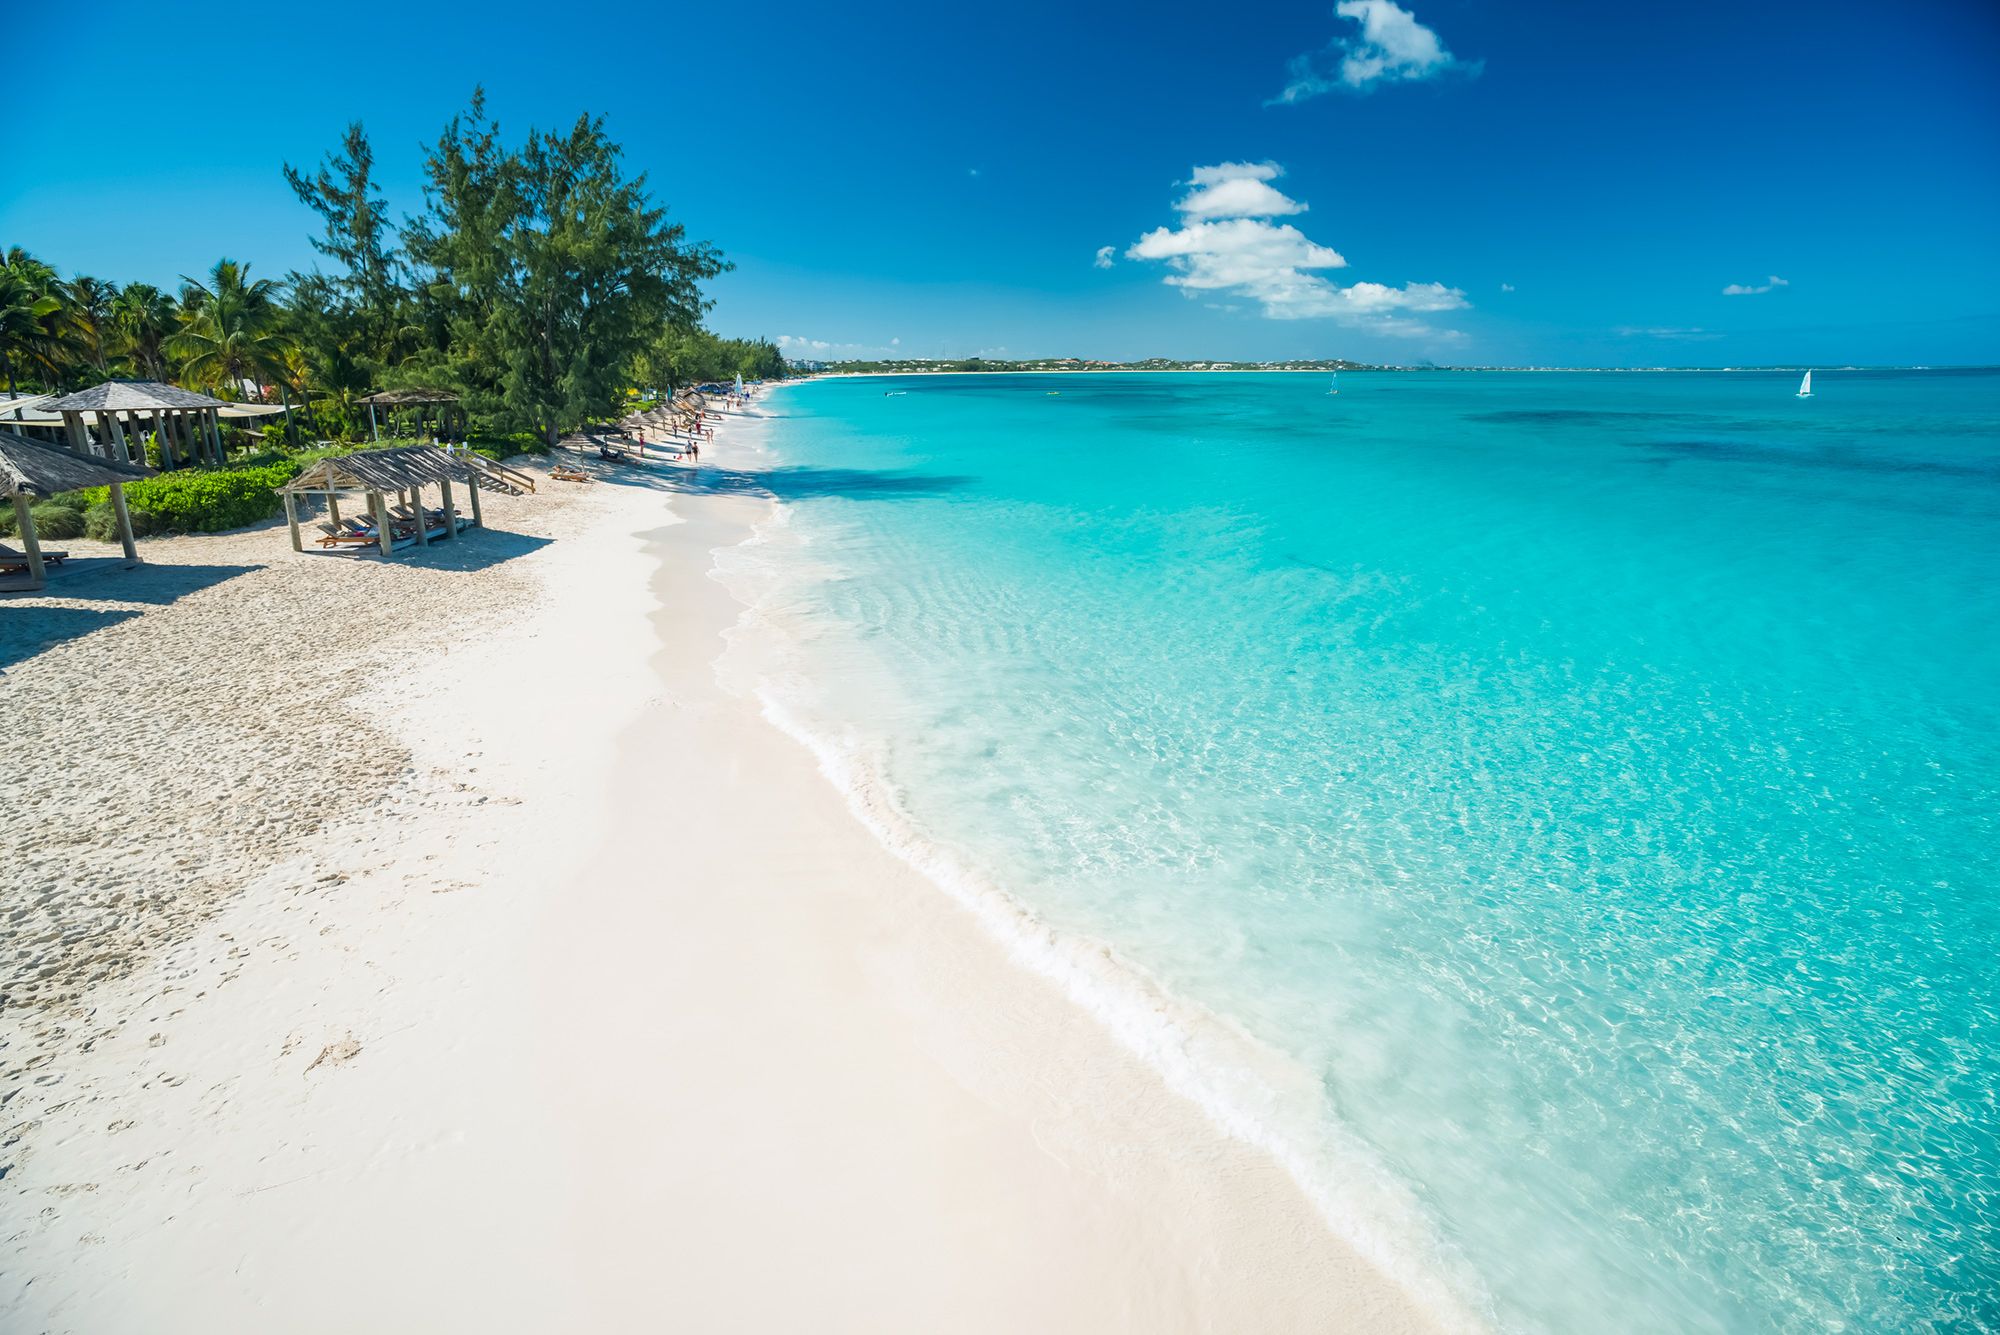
[292, 518]
[117, 436]
[417, 509]
[215, 433]
[24, 523]
[166, 442]
[450, 519]
[124, 524]
[472, 484]
[380, 505]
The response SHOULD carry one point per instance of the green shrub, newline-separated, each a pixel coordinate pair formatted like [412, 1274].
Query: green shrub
[57, 521]
[209, 502]
[502, 447]
[100, 521]
[204, 500]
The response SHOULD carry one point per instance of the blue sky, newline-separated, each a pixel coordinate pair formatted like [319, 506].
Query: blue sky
[1457, 180]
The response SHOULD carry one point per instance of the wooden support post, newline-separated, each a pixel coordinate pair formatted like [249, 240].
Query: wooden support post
[73, 426]
[374, 430]
[117, 436]
[380, 505]
[215, 433]
[417, 509]
[24, 523]
[450, 519]
[166, 442]
[124, 524]
[333, 509]
[292, 519]
[472, 485]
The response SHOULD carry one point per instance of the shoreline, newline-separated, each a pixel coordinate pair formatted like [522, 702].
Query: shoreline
[608, 988]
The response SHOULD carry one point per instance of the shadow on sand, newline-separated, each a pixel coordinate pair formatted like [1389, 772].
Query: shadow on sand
[29, 625]
[474, 549]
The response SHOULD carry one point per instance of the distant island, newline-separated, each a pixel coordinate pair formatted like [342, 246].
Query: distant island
[954, 365]
[797, 366]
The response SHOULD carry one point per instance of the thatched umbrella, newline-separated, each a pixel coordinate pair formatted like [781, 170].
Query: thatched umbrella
[405, 398]
[168, 405]
[403, 472]
[31, 471]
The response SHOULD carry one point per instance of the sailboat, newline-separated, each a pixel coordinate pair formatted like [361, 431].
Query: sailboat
[1805, 386]
[1335, 387]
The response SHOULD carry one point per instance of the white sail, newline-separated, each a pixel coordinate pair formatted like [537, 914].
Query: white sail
[1805, 386]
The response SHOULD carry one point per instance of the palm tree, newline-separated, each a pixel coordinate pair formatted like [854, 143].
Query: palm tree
[30, 318]
[229, 329]
[89, 317]
[142, 317]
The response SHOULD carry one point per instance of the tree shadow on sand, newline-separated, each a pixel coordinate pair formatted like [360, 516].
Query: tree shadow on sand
[28, 631]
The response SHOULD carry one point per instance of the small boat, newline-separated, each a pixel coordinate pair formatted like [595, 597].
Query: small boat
[1805, 386]
[1335, 387]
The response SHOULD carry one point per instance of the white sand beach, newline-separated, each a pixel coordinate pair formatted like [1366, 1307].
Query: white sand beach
[436, 945]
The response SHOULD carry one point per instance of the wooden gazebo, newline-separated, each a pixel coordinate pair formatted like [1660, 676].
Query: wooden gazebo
[420, 399]
[31, 471]
[390, 484]
[176, 413]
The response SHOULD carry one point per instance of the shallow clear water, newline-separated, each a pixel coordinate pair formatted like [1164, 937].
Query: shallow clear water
[1590, 781]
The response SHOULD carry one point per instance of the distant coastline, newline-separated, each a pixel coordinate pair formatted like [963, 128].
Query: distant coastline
[976, 366]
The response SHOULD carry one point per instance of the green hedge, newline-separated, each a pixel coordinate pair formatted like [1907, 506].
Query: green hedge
[57, 522]
[207, 500]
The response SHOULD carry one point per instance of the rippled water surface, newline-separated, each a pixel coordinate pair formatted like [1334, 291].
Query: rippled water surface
[1589, 781]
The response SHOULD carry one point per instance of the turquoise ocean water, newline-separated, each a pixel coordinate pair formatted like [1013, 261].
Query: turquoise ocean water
[1558, 813]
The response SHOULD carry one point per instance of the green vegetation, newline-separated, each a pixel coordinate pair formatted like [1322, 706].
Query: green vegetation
[53, 520]
[540, 282]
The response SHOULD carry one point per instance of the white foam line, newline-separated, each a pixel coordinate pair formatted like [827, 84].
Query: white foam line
[1363, 1204]
[1370, 1211]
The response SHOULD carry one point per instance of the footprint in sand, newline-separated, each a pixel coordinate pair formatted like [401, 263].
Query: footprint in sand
[335, 1054]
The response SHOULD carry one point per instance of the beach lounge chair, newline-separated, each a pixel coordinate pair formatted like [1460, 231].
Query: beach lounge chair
[13, 560]
[566, 473]
[348, 532]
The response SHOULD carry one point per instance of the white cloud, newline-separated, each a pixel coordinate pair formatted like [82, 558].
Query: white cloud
[1506, 287]
[1235, 171]
[798, 345]
[1227, 246]
[1240, 197]
[1392, 47]
[1678, 335]
[1746, 290]
[1104, 254]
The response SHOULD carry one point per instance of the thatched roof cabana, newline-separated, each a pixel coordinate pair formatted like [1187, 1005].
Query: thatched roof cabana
[405, 398]
[402, 472]
[31, 471]
[398, 398]
[175, 411]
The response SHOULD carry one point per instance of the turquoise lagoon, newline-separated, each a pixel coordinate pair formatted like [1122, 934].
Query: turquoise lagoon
[1558, 813]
